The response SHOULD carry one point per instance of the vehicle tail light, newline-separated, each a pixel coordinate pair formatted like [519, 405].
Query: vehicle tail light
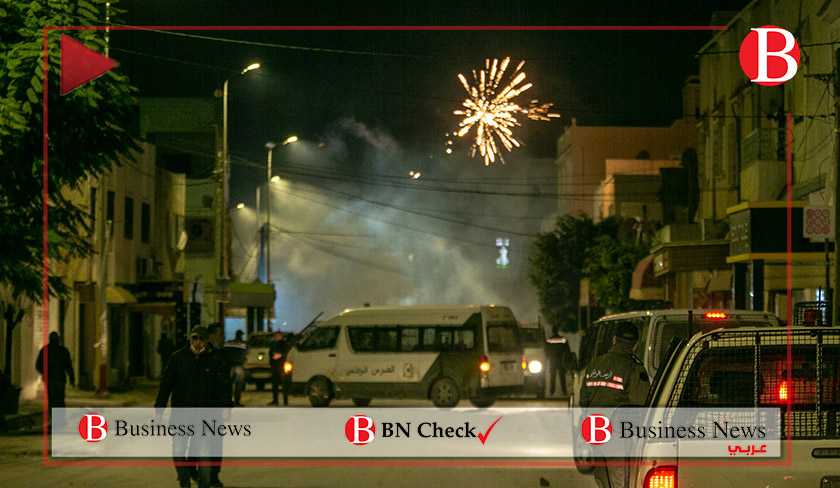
[784, 391]
[661, 477]
[524, 363]
[716, 315]
[484, 364]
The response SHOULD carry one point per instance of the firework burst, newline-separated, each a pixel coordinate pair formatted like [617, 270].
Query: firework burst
[491, 108]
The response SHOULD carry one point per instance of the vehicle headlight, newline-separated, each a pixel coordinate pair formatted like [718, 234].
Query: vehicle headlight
[535, 366]
[287, 367]
[260, 356]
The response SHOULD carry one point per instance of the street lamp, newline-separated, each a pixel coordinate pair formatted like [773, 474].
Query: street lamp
[269, 146]
[222, 173]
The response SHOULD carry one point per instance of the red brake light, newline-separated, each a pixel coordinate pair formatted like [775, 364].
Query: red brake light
[661, 477]
[716, 315]
[784, 392]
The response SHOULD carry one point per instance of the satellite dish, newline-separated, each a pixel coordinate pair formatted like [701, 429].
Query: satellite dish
[182, 241]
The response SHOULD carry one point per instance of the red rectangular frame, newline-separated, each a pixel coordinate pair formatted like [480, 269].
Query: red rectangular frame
[564, 463]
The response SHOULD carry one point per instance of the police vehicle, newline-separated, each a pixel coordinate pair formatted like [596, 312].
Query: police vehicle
[442, 353]
[796, 370]
[657, 329]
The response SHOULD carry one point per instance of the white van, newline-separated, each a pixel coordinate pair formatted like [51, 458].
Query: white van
[443, 353]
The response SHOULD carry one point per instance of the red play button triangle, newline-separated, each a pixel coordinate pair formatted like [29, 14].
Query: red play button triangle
[79, 64]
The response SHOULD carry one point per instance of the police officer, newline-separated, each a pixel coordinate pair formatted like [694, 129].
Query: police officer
[617, 378]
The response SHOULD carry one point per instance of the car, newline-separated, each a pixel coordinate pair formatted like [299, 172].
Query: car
[257, 366]
[658, 330]
[438, 352]
[533, 347]
[750, 368]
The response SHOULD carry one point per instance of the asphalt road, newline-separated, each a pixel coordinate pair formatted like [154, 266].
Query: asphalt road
[21, 465]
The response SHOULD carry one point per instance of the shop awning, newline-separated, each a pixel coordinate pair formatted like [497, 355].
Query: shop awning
[644, 285]
[244, 295]
[118, 295]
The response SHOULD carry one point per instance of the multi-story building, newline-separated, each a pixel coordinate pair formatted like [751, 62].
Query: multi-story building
[108, 324]
[741, 152]
[582, 152]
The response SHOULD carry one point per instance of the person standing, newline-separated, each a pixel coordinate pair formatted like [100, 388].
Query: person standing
[559, 361]
[615, 379]
[236, 352]
[195, 377]
[277, 352]
[59, 369]
[164, 349]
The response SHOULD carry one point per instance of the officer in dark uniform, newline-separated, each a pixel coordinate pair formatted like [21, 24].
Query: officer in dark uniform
[617, 378]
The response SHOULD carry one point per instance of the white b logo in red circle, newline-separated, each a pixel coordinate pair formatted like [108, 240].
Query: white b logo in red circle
[596, 429]
[360, 430]
[93, 427]
[769, 55]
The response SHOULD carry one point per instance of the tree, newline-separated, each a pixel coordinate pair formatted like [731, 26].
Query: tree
[556, 266]
[87, 134]
[609, 265]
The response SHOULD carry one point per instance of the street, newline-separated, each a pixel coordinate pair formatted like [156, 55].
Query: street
[21, 464]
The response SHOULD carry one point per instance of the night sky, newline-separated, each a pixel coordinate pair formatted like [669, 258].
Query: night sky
[405, 83]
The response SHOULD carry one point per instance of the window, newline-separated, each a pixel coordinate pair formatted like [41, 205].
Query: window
[258, 340]
[320, 338]
[410, 339]
[532, 336]
[362, 339]
[109, 211]
[503, 337]
[429, 340]
[145, 222]
[128, 218]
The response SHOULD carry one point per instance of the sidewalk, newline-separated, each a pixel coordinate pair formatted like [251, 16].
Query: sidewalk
[28, 419]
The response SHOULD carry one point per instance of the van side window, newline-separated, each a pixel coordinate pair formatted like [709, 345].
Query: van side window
[428, 339]
[409, 339]
[362, 339]
[320, 338]
[386, 339]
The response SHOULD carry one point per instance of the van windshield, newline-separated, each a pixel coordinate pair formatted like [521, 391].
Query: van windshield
[503, 337]
[259, 340]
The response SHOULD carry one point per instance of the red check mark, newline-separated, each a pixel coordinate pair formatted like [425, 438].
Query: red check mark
[482, 436]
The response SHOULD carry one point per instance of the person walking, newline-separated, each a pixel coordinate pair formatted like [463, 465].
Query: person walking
[59, 369]
[236, 351]
[216, 338]
[615, 379]
[277, 352]
[195, 377]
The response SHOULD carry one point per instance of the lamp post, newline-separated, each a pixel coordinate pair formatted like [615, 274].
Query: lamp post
[222, 174]
[269, 146]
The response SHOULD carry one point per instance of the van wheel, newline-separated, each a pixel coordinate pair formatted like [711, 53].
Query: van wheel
[445, 393]
[483, 401]
[319, 392]
[361, 402]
